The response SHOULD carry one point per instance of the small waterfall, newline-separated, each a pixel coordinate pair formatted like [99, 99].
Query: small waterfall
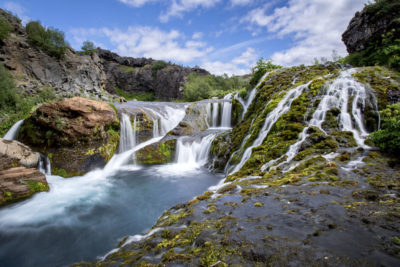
[12, 134]
[128, 134]
[215, 110]
[208, 114]
[226, 112]
[156, 131]
[44, 165]
[193, 153]
[273, 116]
[337, 95]
[168, 119]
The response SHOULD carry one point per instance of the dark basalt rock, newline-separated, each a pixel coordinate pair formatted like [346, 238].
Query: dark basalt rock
[367, 27]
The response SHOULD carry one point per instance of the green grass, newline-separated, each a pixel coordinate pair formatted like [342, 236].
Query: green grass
[138, 96]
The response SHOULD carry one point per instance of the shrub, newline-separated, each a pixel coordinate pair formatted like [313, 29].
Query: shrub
[243, 93]
[158, 65]
[388, 137]
[88, 48]
[200, 87]
[138, 96]
[9, 97]
[5, 29]
[262, 67]
[49, 40]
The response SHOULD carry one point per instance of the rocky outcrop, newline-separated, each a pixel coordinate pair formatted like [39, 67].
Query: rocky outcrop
[195, 120]
[77, 134]
[158, 153]
[368, 25]
[94, 76]
[19, 177]
[141, 75]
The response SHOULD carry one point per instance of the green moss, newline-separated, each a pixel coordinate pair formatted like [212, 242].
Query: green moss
[396, 240]
[127, 69]
[158, 153]
[258, 204]
[140, 96]
[37, 186]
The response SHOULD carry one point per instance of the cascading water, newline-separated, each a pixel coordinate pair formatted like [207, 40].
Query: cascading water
[128, 134]
[208, 114]
[44, 165]
[13, 132]
[193, 153]
[215, 111]
[226, 112]
[337, 95]
[273, 116]
[156, 131]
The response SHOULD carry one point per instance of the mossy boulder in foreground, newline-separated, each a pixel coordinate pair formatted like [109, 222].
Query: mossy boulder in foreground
[77, 134]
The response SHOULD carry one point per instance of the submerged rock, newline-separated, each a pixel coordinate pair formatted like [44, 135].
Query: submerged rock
[77, 134]
[19, 177]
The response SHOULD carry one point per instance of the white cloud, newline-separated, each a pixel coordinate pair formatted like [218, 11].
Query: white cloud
[240, 2]
[147, 42]
[136, 3]
[197, 35]
[237, 66]
[178, 7]
[18, 10]
[315, 26]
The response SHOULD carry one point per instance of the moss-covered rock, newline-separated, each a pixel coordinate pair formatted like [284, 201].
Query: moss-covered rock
[158, 153]
[77, 134]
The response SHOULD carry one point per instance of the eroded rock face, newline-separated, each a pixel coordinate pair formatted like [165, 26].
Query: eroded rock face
[367, 27]
[195, 120]
[95, 75]
[19, 177]
[77, 134]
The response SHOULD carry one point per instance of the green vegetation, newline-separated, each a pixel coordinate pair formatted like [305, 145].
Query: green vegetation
[158, 65]
[16, 105]
[201, 87]
[262, 67]
[88, 48]
[138, 96]
[5, 29]
[388, 137]
[49, 40]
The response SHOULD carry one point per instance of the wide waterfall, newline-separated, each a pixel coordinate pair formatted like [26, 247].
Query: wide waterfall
[128, 134]
[273, 116]
[13, 132]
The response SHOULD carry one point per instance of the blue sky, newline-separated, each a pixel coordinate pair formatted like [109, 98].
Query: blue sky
[222, 36]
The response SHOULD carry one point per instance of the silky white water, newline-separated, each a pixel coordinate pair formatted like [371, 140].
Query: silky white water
[13, 132]
[282, 107]
[127, 133]
[226, 116]
[118, 200]
[215, 110]
[337, 95]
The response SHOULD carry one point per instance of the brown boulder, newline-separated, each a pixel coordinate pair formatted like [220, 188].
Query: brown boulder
[77, 134]
[19, 177]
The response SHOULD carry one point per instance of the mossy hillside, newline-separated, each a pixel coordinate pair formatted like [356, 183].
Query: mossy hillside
[272, 90]
[158, 153]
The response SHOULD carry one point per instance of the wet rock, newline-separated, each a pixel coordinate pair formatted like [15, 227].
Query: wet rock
[158, 153]
[19, 177]
[195, 120]
[77, 134]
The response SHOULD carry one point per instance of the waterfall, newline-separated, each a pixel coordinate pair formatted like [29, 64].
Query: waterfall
[215, 110]
[193, 153]
[128, 135]
[156, 131]
[208, 113]
[13, 132]
[226, 112]
[337, 95]
[44, 165]
[273, 116]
